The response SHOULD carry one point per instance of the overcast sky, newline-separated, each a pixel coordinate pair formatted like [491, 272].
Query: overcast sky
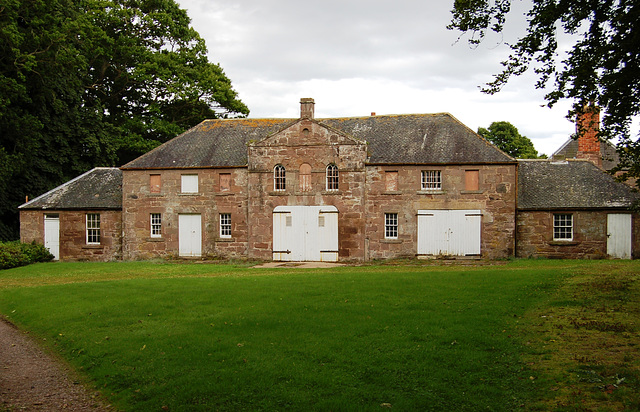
[355, 57]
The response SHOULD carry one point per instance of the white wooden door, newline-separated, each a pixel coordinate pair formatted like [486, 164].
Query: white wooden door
[190, 235]
[305, 233]
[52, 235]
[619, 235]
[449, 232]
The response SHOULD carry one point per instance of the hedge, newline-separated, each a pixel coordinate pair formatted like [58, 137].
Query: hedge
[13, 254]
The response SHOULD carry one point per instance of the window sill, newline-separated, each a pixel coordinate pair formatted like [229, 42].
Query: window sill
[190, 194]
[472, 192]
[392, 241]
[279, 193]
[154, 239]
[563, 243]
[431, 192]
[93, 246]
[331, 192]
[225, 239]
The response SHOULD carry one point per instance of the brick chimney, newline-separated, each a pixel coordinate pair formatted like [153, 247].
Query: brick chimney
[306, 108]
[587, 129]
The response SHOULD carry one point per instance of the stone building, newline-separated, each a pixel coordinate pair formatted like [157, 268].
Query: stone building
[571, 208]
[336, 189]
[79, 220]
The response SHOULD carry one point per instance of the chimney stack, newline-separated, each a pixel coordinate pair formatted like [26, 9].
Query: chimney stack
[306, 108]
[587, 129]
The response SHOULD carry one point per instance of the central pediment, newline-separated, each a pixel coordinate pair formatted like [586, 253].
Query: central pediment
[308, 132]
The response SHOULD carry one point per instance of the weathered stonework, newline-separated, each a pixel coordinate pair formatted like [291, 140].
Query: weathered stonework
[73, 242]
[210, 200]
[495, 198]
[535, 235]
[353, 174]
[307, 142]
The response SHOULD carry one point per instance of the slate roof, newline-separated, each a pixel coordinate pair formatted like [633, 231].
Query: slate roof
[99, 188]
[392, 139]
[420, 139]
[610, 158]
[573, 184]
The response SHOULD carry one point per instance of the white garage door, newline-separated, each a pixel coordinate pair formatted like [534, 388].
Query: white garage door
[449, 232]
[305, 233]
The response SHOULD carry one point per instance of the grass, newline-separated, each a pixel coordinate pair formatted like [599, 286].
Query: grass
[530, 335]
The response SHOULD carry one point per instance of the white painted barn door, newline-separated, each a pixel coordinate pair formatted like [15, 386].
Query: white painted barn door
[52, 235]
[449, 232]
[305, 233]
[190, 235]
[619, 236]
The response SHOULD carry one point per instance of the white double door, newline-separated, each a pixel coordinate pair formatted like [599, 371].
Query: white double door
[449, 232]
[305, 233]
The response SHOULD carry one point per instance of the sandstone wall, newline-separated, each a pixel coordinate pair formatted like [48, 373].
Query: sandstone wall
[308, 143]
[73, 242]
[210, 200]
[495, 198]
[535, 235]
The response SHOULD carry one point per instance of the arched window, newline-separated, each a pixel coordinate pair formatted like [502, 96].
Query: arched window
[279, 181]
[305, 177]
[332, 177]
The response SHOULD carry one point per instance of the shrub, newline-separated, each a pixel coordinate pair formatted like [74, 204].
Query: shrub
[14, 254]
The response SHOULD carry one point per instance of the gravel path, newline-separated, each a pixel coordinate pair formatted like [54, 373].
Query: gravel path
[31, 380]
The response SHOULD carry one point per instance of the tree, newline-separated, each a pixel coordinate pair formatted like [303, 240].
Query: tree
[509, 140]
[87, 83]
[602, 68]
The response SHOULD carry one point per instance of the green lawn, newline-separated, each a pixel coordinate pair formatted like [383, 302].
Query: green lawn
[229, 337]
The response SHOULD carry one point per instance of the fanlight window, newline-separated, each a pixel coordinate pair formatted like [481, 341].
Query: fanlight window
[332, 177]
[279, 180]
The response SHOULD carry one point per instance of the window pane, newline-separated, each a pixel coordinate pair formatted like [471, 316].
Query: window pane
[93, 228]
[431, 180]
[563, 227]
[332, 177]
[279, 178]
[225, 224]
[156, 225]
[391, 225]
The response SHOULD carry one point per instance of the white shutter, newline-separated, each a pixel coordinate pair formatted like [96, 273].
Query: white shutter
[189, 184]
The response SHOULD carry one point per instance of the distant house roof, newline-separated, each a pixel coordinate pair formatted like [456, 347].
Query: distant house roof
[573, 184]
[610, 158]
[401, 139]
[99, 188]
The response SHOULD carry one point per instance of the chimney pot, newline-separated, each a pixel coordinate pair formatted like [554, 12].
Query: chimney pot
[306, 108]
[373, 114]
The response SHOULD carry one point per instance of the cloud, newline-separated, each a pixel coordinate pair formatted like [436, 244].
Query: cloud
[355, 57]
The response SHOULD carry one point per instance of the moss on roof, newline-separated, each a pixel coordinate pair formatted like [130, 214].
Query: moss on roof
[572, 184]
[401, 139]
[99, 188]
